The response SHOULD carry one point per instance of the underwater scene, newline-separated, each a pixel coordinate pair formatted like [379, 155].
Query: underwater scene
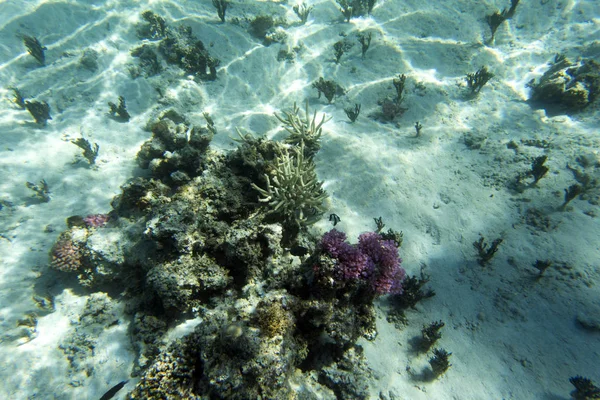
[300, 199]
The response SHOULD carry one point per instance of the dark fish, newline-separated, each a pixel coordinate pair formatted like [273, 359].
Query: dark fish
[109, 395]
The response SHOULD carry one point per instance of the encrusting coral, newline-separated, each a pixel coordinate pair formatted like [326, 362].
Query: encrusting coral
[273, 319]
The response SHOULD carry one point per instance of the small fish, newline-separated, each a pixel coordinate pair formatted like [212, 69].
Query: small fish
[334, 218]
[109, 395]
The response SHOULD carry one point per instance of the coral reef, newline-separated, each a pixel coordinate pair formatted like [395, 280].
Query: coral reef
[352, 263]
[171, 376]
[566, 85]
[190, 240]
[149, 63]
[155, 28]
[261, 25]
[273, 318]
[179, 46]
[238, 353]
[147, 332]
[355, 8]
[347, 376]
[94, 255]
[176, 150]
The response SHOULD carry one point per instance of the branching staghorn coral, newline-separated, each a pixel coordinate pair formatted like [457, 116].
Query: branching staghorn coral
[303, 130]
[293, 190]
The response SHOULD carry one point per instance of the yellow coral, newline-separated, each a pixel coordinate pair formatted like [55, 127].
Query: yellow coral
[273, 319]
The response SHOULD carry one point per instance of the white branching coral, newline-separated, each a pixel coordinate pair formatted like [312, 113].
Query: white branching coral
[303, 130]
[293, 190]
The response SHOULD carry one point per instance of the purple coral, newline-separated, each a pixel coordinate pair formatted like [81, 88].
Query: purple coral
[353, 264]
[388, 275]
[373, 259]
[96, 220]
[334, 242]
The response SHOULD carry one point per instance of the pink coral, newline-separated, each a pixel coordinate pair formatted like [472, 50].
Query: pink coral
[96, 220]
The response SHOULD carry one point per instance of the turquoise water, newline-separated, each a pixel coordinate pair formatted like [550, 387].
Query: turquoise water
[127, 227]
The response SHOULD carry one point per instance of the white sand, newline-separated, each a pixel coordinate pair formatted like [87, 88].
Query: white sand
[510, 338]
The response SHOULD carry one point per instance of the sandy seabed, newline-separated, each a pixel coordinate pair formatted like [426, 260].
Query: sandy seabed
[511, 336]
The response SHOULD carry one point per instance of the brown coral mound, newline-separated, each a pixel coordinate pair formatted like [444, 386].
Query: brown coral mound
[66, 254]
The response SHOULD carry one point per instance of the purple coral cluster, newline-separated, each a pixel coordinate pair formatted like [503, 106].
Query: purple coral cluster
[352, 262]
[373, 259]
